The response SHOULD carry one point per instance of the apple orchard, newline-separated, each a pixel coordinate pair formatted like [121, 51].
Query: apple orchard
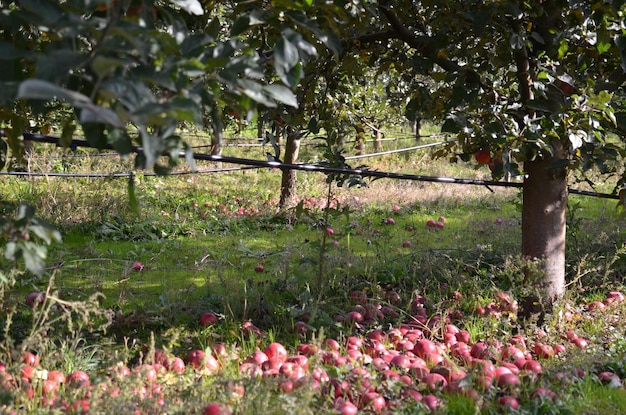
[265, 295]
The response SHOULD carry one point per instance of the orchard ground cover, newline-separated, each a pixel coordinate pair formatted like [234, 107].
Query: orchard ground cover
[211, 301]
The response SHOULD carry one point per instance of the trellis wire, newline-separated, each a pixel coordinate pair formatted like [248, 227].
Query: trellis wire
[322, 169]
[399, 150]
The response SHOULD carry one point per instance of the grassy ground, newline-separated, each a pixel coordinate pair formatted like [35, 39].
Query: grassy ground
[217, 242]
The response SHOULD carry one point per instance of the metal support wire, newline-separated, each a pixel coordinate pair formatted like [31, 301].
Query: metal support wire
[119, 175]
[327, 169]
[399, 150]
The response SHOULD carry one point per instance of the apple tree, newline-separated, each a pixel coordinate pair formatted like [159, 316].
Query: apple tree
[534, 88]
[537, 84]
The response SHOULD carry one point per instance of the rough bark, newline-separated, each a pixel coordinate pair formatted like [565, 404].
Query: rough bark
[377, 141]
[416, 127]
[289, 179]
[260, 129]
[360, 139]
[543, 210]
[216, 143]
[543, 221]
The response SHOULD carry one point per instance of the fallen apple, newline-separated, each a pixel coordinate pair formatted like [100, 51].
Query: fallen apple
[208, 319]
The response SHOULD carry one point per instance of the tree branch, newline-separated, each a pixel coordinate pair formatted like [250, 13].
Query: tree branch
[375, 37]
[522, 63]
[423, 46]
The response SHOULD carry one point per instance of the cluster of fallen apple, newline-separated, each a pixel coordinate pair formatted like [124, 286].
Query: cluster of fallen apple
[417, 362]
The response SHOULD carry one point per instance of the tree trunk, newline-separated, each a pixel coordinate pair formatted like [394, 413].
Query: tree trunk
[216, 143]
[543, 224]
[260, 129]
[360, 139]
[417, 124]
[377, 143]
[289, 179]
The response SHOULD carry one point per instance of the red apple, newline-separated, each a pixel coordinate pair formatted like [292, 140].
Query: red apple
[215, 409]
[483, 156]
[345, 407]
[248, 328]
[431, 402]
[34, 299]
[79, 379]
[544, 351]
[358, 297]
[509, 401]
[208, 319]
[276, 350]
[533, 366]
[176, 365]
[80, 407]
[508, 380]
[56, 376]
[596, 306]
[30, 359]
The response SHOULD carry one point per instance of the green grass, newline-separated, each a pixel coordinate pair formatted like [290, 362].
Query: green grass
[199, 254]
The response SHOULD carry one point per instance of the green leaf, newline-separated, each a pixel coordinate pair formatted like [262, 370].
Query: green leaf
[153, 147]
[241, 25]
[47, 91]
[603, 47]
[10, 251]
[67, 135]
[190, 6]
[538, 105]
[328, 38]
[213, 28]
[97, 114]
[46, 232]
[286, 58]
[34, 257]
[563, 47]
[189, 157]
[120, 141]
[103, 65]
[25, 211]
[453, 124]
[294, 75]
[94, 133]
[254, 90]
[282, 94]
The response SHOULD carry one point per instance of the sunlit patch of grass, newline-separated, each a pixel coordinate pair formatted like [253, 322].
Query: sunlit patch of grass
[591, 397]
[459, 404]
